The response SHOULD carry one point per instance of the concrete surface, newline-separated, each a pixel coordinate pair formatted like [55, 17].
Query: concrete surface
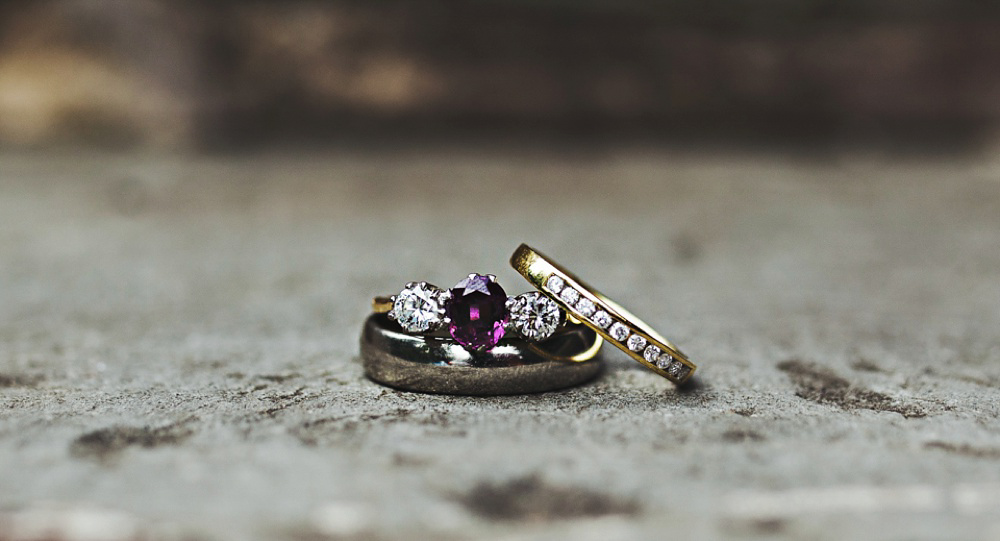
[179, 359]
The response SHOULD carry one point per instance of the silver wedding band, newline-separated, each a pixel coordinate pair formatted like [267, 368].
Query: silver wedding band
[436, 364]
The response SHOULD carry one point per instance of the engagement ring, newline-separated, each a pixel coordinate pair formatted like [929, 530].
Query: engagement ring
[477, 313]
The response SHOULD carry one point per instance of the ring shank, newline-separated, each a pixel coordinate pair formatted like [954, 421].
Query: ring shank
[382, 305]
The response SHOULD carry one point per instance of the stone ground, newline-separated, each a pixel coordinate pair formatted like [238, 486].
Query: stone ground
[179, 359]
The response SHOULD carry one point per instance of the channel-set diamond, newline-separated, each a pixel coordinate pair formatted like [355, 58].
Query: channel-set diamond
[585, 306]
[534, 315]
[569, 295]
[602, 319]
[651, 353]
[555, 284]
[618, 332]
[664, 361]
[418, 307]
[636, 343]
[678, 370]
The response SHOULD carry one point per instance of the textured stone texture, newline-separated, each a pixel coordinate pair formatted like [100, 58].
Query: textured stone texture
[178, 348]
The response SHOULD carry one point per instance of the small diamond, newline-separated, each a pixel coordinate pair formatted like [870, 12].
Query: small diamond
[555, 284]
[651, 353]
[664, 361]
[618, 332]
[636, 343]
[602, 319]
[678, 369]
[418, 308]
[570, 295]
[585, 307]
[534, 315]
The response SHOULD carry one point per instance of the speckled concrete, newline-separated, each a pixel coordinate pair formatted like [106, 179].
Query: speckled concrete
[179, 359]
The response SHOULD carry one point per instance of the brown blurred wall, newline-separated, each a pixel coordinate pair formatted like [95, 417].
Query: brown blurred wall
[190, 74]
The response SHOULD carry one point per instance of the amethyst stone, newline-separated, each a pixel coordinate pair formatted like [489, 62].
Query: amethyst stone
[478, 312]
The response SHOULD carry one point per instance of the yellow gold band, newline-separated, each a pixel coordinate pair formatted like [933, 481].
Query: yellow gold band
[617, 325]
[382, 305]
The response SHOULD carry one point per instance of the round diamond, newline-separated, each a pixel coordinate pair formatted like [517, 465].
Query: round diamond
[570, 295]
[636, 343]
[602, 319]
[651, 353]
[555, 284]
[535, 316]
[664, 361]
[418, 308]
[586, 307]
[478, 312]
[618, 332]
[678, 369]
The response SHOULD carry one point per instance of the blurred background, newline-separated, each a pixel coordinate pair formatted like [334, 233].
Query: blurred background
[186, 74]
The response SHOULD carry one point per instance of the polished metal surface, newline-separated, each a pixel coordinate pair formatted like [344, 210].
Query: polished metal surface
[437, 364]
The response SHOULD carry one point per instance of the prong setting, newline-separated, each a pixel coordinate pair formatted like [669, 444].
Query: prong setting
[535, 316]
[418, 307]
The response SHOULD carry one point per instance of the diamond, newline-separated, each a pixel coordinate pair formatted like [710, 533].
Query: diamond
[651, 353]
[664, 361]
[478, 312]
[602, 319]
[636, 343]
[570, 295]
[534, 315]
[586, 307]
[678, 369]
[618, 332]
[555, 284]
[418, 307]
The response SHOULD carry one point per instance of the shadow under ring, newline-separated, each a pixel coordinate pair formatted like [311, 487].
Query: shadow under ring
[438, 364]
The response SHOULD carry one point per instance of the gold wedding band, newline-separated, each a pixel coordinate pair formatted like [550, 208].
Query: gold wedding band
[617, 325]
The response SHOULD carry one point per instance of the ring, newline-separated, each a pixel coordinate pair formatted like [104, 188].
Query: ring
[433, 364]
[606, 317]
[477, 312]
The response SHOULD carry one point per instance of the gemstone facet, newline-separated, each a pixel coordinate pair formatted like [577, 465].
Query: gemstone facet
[478, 312]
[555, 284]
[602, 319]
[585, 306]
[570, 295]
[664, 361]
[636, 343]
[418, 308]
[678, 369]
[618, 332]
[534, 315]
[651, 353]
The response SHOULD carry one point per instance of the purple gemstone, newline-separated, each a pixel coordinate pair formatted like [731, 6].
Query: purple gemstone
[478, 312]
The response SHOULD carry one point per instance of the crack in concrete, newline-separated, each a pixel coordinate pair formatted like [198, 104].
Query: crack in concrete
[963, 449]
[533, 499]
[823, 386]
[107, 444]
